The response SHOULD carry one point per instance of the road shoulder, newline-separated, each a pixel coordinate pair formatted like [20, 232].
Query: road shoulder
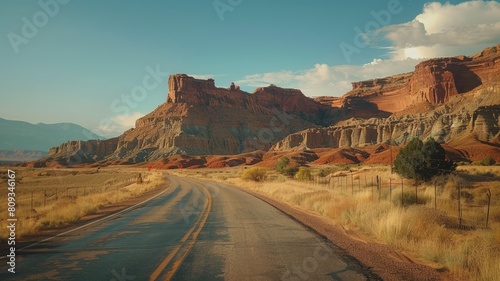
[380, 258]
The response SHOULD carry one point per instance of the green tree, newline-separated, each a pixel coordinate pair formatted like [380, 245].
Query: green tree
[421, 161]
[436, 162]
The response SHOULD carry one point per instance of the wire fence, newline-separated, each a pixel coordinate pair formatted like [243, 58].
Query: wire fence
[468, 213]
[40, 198]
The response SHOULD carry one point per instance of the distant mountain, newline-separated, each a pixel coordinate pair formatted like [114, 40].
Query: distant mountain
[20, 135]
[19, 156]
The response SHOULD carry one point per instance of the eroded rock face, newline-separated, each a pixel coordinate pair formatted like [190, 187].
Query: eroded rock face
[433, 82]
[73, 152]
[483, 124]
[201, 119]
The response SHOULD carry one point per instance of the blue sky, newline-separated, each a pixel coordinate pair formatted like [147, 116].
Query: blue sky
[103, 64]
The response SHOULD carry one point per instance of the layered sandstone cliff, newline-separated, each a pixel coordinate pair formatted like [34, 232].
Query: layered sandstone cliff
[433, 82]
[450, 99]
[463, 118]
[200, 119]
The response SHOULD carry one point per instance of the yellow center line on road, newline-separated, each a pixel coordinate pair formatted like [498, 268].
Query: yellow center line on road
[187, 242]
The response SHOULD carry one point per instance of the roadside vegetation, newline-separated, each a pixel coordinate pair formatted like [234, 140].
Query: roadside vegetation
[52, 198]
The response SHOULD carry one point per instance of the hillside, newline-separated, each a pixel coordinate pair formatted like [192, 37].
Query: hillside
[455, 100]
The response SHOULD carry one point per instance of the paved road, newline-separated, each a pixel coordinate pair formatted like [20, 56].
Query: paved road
[195, 230]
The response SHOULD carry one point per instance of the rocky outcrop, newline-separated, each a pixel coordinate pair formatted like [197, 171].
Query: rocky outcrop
[184, 89]
[76, 152]
[200, 119]
[483, 124]
[449, 99]
[433, 82]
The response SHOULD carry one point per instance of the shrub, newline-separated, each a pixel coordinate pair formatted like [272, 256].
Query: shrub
[291, 171]
[488, 161]
[303, 174]
[409, 198]
[254, 174]
[282, 163]
[283, 168]
[421, 161]
[325, 172]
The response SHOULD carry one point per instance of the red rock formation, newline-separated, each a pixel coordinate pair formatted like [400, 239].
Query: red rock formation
[201, 119]
[433, 82]
[196, 92]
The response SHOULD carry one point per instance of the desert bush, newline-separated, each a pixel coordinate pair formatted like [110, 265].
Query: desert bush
[455, 181]
[282, 163]
[303, 174]
[409, 198]
[325, 172]
[254, 174]
[291, 171]
[487, 161]
[283, 168]
[422, 161]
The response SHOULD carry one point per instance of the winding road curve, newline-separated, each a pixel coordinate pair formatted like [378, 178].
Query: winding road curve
[194, 230]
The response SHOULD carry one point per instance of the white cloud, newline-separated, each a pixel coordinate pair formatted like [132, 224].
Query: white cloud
[326, 80]
[441, 30]
[118, 124]
[445, 30]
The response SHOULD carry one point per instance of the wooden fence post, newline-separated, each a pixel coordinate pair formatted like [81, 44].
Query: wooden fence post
[352, 185]
[459, 208]
[402, 191]
[435, 195]
[488, 193]
[379, 189]
[390, 189]
[416, 191]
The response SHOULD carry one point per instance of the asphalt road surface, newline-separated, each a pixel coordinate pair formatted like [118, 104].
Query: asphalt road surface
[194, 230]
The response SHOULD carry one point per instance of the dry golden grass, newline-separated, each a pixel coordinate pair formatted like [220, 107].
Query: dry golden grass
[80, 193]
[470, 253]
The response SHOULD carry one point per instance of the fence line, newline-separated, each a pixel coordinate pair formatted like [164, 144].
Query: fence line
[383, 189]
[41, 198]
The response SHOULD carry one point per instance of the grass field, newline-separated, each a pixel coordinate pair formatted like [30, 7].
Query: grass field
[431, 229]
[50, 198]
